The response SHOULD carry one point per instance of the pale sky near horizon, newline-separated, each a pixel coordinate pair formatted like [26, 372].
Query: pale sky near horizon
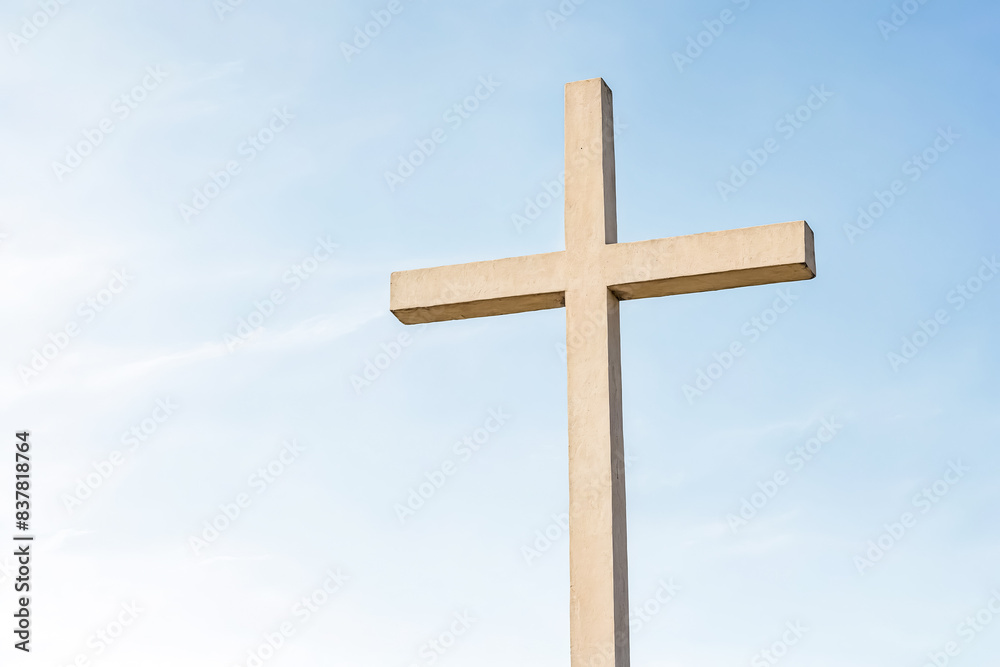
[201, 207]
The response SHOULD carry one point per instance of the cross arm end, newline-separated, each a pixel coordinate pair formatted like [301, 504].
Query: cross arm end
[479, 289]
[763, 255]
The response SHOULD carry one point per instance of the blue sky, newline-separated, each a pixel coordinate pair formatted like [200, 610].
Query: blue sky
[177, 369]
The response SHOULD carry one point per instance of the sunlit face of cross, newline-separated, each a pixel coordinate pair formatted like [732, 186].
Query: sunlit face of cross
[589, 278]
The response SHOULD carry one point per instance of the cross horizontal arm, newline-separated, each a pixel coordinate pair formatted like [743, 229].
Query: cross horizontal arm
[479, 289]
[713, 261]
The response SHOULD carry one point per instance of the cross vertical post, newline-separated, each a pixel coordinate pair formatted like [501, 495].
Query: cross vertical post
[597, 537]
[589, 278]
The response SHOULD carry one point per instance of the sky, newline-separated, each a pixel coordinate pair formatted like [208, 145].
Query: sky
[239, 457]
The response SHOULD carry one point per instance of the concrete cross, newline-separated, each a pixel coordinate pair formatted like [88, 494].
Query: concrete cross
[589, 278]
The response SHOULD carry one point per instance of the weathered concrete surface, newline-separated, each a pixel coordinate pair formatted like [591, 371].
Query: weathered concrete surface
[598, 563]
[662, 267]
[589, 278]
[498, 287]
[713, 261]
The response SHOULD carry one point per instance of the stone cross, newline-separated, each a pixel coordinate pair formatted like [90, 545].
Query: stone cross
[589, 278]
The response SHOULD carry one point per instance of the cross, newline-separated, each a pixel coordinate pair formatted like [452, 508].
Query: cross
[589, 278]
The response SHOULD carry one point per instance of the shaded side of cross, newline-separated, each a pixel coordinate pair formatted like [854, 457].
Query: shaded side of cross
[589, 278]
